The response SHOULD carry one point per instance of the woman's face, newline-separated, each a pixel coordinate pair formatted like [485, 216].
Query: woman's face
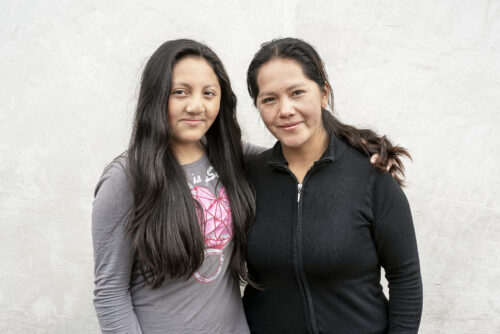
[290, 103]
[194, 100]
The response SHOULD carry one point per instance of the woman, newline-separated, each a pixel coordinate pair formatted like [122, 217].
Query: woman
[169, 219]
[326, 220]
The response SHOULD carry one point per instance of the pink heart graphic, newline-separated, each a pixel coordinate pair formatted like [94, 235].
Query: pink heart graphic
[217, 221]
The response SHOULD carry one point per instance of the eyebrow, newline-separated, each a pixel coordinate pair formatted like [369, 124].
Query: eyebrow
[292, 87]
[188, 85]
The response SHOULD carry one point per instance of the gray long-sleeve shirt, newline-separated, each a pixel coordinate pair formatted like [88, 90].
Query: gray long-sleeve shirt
[208, 302]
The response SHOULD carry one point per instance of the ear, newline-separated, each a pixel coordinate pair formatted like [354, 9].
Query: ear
[324, 95]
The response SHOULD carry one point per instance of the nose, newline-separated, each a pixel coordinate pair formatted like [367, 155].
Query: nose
[195, 105]
[286, 108]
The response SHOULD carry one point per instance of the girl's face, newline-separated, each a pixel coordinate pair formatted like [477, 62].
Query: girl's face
[290, 104]
[194, 100]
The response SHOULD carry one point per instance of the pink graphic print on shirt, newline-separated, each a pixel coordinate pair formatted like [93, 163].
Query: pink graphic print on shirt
[216, 225]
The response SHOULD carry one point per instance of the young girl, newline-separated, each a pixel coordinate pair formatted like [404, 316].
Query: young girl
[170, 217]
[326, 220]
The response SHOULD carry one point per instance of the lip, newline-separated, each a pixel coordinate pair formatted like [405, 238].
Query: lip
[289, 126]
[192, 121]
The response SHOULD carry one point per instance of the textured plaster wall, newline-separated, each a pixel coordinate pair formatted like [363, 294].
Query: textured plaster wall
[426, 73]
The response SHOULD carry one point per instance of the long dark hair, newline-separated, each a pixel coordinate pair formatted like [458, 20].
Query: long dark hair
[365, 140]
[164, 228]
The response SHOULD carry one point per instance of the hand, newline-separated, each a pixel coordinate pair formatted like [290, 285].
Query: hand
[374, 159]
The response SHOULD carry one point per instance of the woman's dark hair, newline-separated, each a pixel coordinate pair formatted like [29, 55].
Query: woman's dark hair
[164, 228]
[365, 140]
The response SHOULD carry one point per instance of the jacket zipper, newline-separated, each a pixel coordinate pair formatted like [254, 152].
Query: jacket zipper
[305, 290]
[297, 252]
[302, 279]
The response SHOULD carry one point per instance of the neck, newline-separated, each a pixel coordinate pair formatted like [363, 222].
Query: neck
[300, 159]
[188, 152]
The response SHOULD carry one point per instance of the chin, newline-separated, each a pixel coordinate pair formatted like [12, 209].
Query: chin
[191, 137]
[188, 140]
[292, 143]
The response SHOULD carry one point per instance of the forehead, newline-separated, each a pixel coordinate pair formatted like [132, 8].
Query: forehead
[195, 69]
[279, 72]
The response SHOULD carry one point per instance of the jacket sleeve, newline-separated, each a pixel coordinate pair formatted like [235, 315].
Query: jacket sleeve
[112, 256]
[396, 244]
[251, 149]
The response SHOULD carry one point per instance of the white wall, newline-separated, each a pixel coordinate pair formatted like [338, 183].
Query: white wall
[426, 73]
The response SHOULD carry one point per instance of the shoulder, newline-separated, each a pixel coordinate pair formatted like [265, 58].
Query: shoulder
[352, 155]
[258, 161]
[113, 202]
[352, 164]
[384, 184]
[387, 196]
[357, 164]
[114, 183]
[251, 149]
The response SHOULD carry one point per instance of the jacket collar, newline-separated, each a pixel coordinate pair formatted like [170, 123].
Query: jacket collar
[336, 148]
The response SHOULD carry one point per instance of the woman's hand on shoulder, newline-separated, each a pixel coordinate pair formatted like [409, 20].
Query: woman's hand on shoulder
[375, 159]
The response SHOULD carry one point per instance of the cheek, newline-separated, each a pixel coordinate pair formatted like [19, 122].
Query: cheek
[314, 115]
[267, 117]
[172, 108]
[213, 110]
[212, 117]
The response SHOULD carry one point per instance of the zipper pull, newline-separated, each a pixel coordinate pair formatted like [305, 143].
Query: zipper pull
[299, 187]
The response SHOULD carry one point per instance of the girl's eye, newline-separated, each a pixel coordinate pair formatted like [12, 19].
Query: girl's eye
[178, 92]
[298, 92]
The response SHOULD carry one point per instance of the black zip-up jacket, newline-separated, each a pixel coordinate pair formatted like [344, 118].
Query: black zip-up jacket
[316, 249]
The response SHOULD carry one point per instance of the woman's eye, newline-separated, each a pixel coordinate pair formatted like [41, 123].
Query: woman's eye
[210, 93]
[298, 92]
[267, 100]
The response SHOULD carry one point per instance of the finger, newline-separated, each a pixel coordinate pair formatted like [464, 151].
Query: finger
[389, 165]
[374, 158]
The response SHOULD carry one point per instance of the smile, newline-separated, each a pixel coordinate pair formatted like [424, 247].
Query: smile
[192, 121]
[290, 127]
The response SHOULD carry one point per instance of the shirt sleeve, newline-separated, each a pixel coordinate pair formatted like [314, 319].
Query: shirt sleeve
[112, 253]
[396, 244]
[250, 149]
